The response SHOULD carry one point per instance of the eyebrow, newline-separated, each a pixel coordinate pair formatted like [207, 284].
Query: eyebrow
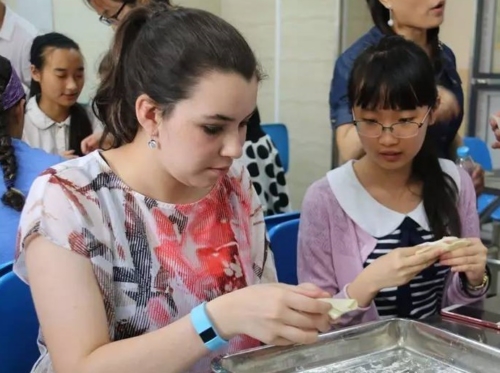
[62, 70]
[225, 118]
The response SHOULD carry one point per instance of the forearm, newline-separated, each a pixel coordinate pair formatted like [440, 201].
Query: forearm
[173, 348]
[455, 295]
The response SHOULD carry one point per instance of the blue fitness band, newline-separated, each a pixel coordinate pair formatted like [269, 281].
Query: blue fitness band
[205, 329]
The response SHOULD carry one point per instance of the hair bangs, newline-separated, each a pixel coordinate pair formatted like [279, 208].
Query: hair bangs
[394, 79]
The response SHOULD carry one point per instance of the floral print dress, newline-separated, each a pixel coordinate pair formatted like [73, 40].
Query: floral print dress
[153, 261]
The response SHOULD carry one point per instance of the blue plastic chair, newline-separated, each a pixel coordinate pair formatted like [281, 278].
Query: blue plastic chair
[18, 324]
[283, 239]
[274, 220]
[279, 134]
[480, 153]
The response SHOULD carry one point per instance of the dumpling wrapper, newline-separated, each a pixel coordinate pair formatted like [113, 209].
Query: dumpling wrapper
[340, 306]
[448, 243]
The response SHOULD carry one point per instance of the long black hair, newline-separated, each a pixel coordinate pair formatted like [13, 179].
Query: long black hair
[12, 197]
[164, 52]
[380, 16]
[396, 74]
[80, 125]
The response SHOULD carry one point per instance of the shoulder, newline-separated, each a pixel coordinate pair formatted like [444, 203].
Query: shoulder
[448, 55]
[452, 170]
[447, 51]
[77, 176]
[318, 191]
[347, 58]
[34, 118]
[462, 179]
[35, 157]
[323, 193]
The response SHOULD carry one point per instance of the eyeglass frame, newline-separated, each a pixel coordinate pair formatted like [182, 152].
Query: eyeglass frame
[111, 20]
[391, 127]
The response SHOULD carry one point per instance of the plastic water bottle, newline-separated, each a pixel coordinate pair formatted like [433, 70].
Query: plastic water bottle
[464, 160]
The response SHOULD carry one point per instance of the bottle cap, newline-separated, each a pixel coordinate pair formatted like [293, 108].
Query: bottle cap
[463, 151]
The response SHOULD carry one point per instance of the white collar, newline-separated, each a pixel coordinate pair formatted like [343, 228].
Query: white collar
[370, 215]
[39, 118]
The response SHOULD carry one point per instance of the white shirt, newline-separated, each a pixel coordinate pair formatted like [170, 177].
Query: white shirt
[40, 131]
[16, 37]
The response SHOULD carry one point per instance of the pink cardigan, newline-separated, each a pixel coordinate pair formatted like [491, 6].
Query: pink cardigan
[332, 248]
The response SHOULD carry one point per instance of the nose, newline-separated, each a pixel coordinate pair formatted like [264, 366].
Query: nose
[233, 145]
[387, 138]
[71, 85]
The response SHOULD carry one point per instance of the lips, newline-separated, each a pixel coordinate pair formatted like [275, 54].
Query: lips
[391, 156]
[390, 153]
[440, 5]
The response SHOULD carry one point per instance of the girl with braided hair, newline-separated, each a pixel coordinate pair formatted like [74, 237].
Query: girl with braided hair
[19, 163]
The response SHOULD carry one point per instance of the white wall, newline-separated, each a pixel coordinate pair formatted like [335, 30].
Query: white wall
[39, 12]
[308, 44]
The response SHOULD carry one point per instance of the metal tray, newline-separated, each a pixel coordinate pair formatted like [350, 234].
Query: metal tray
[390, 346]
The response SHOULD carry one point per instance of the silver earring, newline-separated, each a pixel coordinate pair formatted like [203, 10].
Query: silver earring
[390, 22]
[152, 144]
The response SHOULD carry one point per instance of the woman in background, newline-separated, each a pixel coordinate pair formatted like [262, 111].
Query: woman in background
[362, 225]
[111, 12]
[55, 121]
[418, 21]
[20, 164]
[259, 153]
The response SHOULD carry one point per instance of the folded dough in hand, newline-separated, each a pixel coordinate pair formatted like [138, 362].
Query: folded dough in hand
[340, 306]
[448, 243]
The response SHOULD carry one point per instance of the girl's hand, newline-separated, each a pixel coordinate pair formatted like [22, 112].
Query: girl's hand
[470, 259]
[396, 268]
[69, 154]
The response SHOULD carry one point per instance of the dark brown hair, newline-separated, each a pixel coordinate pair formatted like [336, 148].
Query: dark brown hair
[380, 16]
[163, 52]
[396, 74]
[12, 197]
[80, 126]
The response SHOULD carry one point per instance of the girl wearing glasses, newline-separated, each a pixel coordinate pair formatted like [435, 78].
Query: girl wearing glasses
[361, 225]
[418, 21]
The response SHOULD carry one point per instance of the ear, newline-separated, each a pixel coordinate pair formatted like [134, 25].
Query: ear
[432, 114]
[35, 73]
[386, 3]
[147, 112]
